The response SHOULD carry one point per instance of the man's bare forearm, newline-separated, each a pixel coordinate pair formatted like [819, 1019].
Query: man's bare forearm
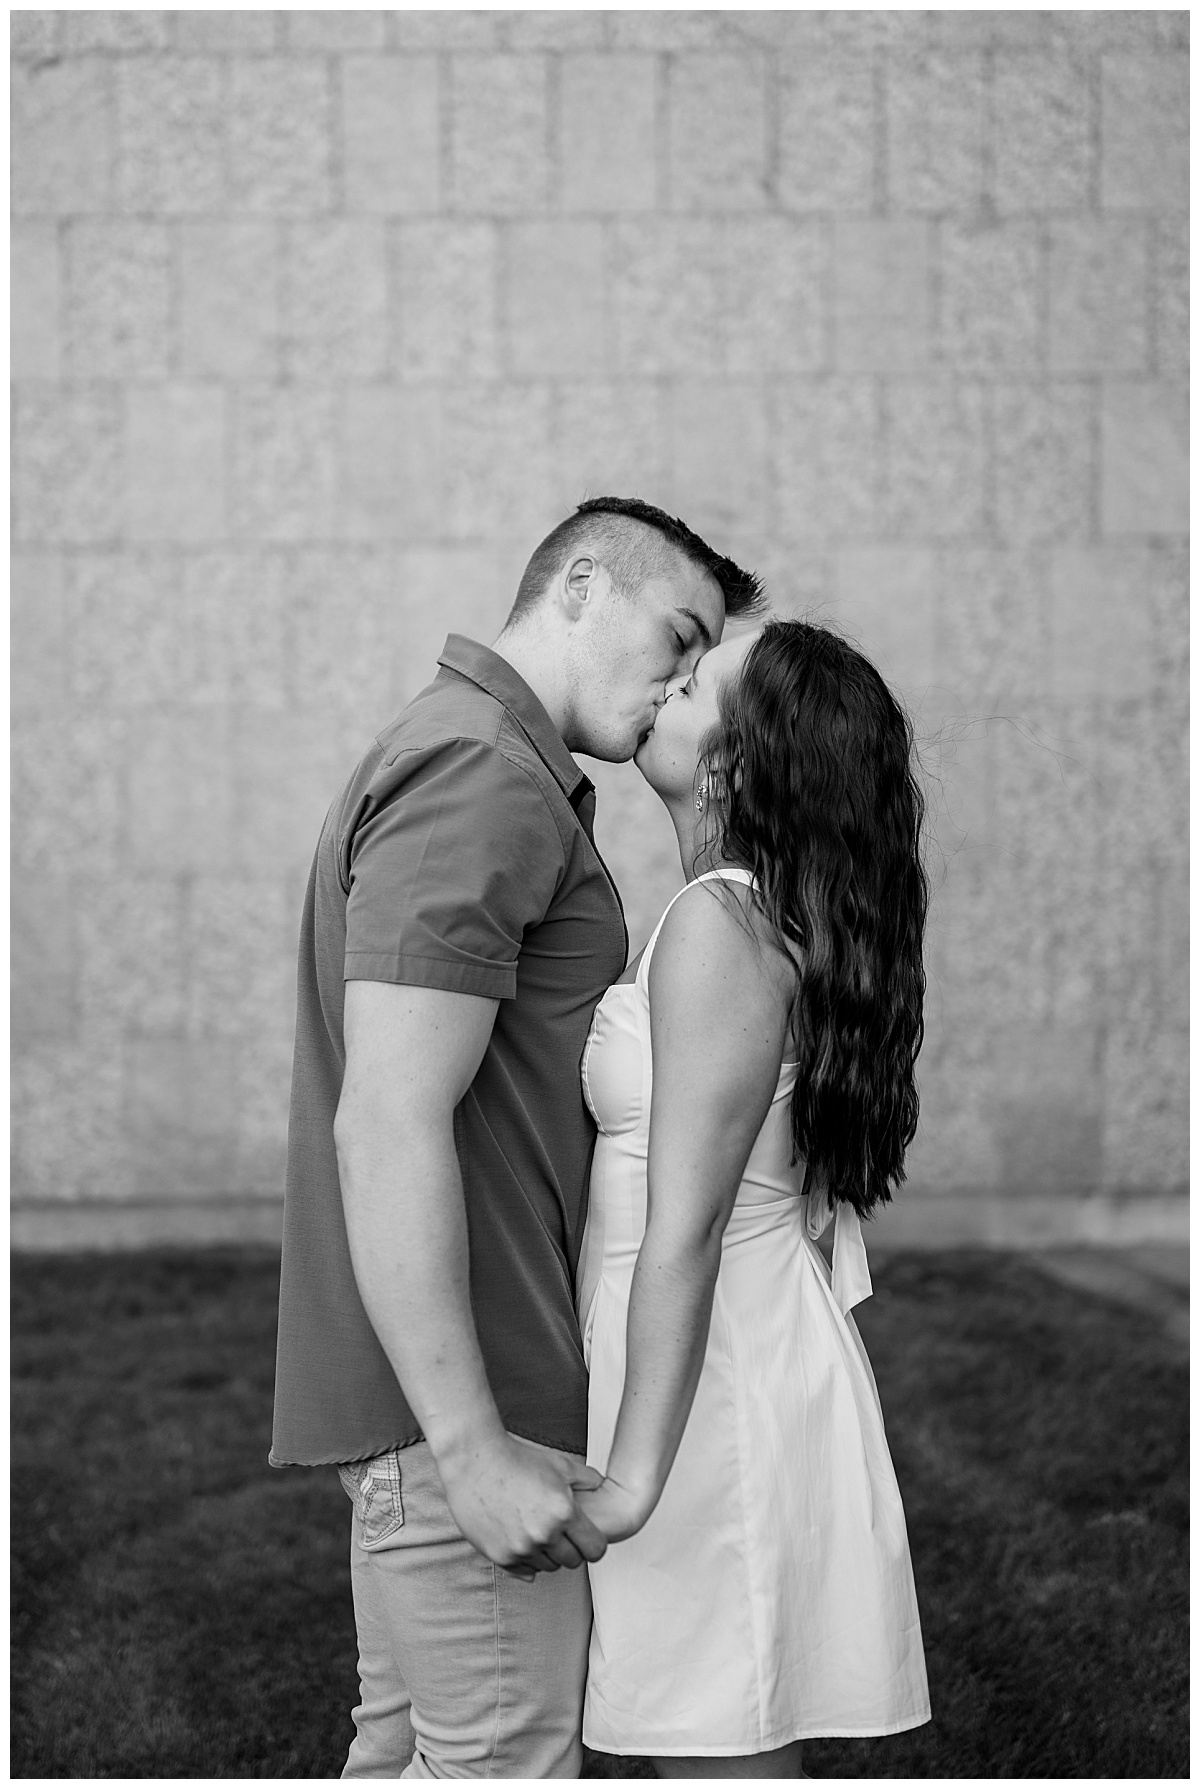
[406, 1223]
[411, 1055]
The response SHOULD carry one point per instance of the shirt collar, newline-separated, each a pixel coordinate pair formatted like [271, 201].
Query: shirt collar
[495, 675]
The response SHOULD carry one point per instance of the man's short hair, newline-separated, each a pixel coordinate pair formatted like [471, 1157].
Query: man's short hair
[634, 541]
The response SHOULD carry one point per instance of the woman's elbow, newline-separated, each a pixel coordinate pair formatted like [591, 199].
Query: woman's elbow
[693, 1247]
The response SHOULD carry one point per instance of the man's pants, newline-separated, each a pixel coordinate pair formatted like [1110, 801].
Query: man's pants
[465, 1671]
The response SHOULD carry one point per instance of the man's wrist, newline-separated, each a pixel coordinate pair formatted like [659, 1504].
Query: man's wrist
[458, 1442]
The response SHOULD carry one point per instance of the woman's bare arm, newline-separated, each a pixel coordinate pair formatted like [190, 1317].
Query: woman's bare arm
[718, 1019]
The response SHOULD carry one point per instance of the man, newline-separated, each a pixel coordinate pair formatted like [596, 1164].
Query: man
[458, 929]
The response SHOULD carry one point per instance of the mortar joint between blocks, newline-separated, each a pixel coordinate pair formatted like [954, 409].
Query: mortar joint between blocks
[664, 64]
[880, 170]
[555, 124]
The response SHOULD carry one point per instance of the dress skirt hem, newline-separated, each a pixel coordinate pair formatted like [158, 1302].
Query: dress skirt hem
[649, 1749]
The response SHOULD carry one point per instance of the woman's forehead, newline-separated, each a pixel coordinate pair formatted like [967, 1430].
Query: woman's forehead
[725, 657]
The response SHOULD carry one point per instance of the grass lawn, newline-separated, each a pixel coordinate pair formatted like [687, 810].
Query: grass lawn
[180, 1609]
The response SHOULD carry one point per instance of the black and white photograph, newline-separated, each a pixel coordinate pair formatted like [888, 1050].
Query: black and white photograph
[599, 895]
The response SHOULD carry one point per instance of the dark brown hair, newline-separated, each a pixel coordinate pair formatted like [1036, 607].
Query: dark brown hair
[812, 788]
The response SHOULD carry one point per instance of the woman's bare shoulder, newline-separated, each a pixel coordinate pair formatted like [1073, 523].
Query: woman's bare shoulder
[719, 921]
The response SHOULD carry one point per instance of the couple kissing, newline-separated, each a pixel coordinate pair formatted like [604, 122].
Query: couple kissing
[551, 1296]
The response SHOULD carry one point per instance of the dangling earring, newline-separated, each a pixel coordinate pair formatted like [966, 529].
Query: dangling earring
[701, 797]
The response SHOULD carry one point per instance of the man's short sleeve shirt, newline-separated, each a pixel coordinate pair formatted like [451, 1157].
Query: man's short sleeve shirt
[445, 878]
[459, 856]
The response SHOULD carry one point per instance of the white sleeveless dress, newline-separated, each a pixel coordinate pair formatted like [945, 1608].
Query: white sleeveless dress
[770, 1595]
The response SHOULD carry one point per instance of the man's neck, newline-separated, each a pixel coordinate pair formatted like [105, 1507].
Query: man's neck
[538, 659]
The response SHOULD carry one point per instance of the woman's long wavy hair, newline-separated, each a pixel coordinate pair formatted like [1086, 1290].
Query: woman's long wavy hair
[811, 787]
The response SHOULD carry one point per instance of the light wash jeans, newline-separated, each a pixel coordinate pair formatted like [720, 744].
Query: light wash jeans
[465, 1671]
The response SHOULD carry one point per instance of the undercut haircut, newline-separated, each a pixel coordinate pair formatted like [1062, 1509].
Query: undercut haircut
[634, 541]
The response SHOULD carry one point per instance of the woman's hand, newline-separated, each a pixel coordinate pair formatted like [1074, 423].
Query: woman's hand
[614, 1509]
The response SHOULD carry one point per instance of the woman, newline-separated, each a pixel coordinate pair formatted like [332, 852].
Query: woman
[762, 1593]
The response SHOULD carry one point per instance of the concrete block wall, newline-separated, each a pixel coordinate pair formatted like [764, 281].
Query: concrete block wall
[321, 319]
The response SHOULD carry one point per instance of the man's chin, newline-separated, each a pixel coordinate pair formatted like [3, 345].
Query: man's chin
[631, 749]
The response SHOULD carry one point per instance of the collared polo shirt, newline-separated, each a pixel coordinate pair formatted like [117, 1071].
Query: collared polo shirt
[458, 856]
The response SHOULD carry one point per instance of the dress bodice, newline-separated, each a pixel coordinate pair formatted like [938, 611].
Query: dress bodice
[618, 1080]
[617, 1072]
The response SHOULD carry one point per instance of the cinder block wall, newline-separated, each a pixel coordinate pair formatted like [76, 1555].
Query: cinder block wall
[321, 319]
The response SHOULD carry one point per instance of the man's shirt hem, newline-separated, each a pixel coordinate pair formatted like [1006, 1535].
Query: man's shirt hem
[494, 981]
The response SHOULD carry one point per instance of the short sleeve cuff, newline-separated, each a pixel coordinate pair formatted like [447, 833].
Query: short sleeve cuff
[493, 981]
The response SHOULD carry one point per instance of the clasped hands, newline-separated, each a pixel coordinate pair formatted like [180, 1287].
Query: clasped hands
[534, 1509]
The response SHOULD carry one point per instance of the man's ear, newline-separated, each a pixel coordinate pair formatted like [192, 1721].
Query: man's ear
[579, 581]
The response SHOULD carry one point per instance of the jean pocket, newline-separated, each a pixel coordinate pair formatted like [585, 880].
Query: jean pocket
[373, 1487]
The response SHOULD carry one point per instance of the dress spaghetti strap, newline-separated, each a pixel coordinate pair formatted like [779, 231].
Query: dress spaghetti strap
[727, 873]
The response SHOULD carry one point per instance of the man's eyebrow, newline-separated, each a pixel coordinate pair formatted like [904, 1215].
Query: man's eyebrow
[701, 625]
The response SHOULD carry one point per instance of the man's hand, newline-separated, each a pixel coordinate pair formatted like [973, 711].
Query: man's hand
[615, 1510]
[516, 1502]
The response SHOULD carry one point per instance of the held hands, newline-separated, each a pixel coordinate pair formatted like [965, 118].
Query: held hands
[516, 1502]
[615, 1509]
